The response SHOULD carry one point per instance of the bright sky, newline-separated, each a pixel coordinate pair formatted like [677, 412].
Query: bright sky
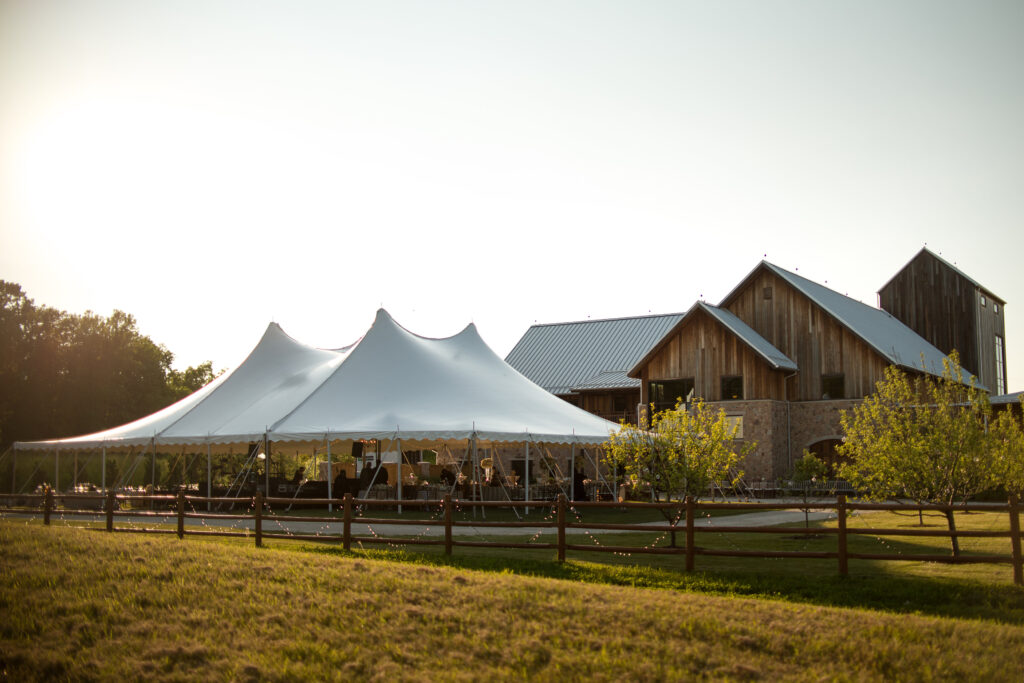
[212, 166]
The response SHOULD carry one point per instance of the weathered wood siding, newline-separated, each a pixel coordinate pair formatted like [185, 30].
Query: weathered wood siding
[707, 351]
[603, 404]
[990, 324]
[808, 335]
[944, 307]
[938, 303]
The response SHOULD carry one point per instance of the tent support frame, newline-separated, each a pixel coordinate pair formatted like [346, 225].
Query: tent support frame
[330, 475]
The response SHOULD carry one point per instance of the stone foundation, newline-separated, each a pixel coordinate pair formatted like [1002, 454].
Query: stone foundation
[782, 431]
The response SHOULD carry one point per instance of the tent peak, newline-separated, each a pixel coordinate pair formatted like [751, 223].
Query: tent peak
[386, 318]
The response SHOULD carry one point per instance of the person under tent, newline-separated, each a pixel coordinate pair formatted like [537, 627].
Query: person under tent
[579, 485]
[341, 484]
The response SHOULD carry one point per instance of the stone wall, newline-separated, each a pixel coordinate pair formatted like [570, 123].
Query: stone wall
[783, 430]
[764, 424]
[817, 420]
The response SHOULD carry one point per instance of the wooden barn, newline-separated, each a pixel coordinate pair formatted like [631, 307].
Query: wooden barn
[585, 362]
[781, 354]
[952, 311]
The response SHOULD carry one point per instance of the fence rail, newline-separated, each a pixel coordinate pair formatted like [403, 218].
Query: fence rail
[45, 504]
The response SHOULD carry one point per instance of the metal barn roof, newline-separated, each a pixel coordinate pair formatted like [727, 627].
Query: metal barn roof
[881, 330]
[1006, 399]
[589, 354]
[759, 344]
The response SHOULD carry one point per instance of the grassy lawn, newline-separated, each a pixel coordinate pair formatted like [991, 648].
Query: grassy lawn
[81, 604]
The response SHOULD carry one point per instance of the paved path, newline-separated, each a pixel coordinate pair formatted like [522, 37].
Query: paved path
[752, 519]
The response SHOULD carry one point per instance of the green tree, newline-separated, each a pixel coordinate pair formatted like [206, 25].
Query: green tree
[809, 467]
[63, 374]
[681, 453]
[921, 437]
[181, 383]
[1008, 433]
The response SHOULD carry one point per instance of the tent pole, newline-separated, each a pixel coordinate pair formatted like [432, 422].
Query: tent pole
[74, 473]
[401, 459]
[130, 463]
[615, 480]
[376, 469]
[330, 475]
[266, 465]
[572, 470]
[14, 469]
[477, 486]
[103, 469]
[56, 470]
[153, 473]
[209, 477]
[462, 463]
[526, 455]
[598, 477]
[503, 478]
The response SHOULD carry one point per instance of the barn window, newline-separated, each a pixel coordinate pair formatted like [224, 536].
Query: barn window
[767, 292]
[1000, 366]
[666, 393]
[732, 388]
[734, 423]
[983, 301]
[833, 386]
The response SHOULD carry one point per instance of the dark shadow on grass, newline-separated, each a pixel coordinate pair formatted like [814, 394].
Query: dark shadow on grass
[877, 590]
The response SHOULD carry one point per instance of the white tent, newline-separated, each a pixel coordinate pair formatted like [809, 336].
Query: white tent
[391, 384]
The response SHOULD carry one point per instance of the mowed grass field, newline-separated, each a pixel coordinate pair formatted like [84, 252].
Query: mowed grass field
[80, 604]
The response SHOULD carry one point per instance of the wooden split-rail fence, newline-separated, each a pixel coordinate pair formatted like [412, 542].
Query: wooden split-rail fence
[46, 504]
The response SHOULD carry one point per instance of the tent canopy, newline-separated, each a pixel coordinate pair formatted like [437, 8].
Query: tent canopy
[391, 384]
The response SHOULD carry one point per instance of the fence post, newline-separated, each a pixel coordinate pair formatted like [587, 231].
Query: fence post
[448, 524]
[47, 505]
[1018, 563]
[844, 568]
[110, 510]
[690, 549]
[257, 503]
[347, 517]
[181, 514]
[561, 527]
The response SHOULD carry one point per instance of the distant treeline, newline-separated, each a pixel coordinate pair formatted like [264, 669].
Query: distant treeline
[63, 374]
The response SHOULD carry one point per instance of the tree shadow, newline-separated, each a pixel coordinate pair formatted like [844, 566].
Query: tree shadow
[869, 585]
